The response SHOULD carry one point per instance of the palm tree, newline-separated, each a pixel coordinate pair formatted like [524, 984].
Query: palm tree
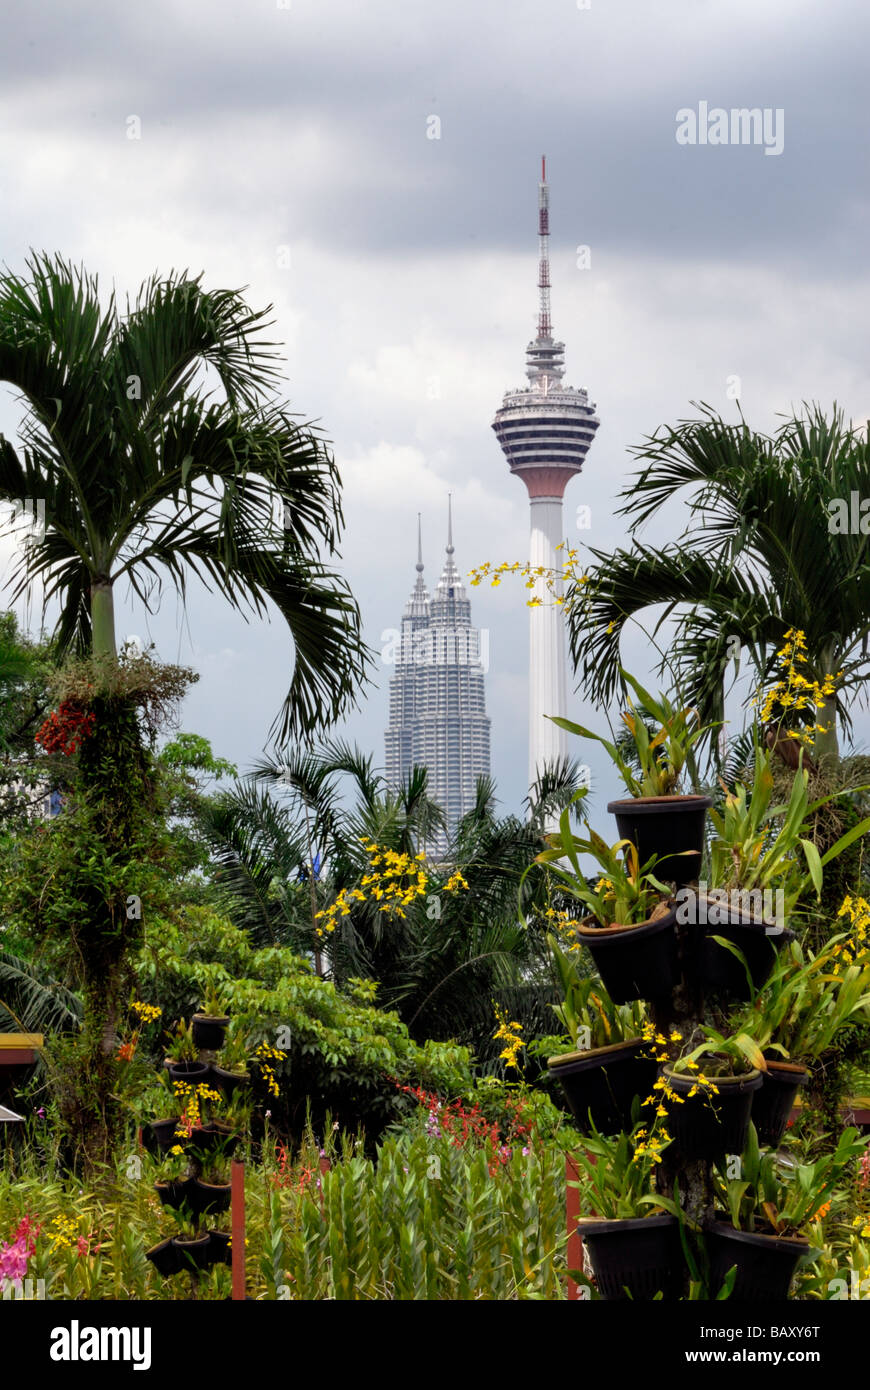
[158, 447]
[761, 553]
[147, 476]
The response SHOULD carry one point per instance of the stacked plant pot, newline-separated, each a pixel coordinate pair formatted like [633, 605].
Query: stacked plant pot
[672, 963]
[190, 1194]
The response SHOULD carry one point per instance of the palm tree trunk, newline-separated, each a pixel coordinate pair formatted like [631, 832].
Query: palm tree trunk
[826, 746]
[103, 616]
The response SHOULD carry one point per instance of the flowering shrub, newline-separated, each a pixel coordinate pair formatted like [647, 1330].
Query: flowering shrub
[394, 881]
[262, 1061]
[509, 1034]
[793, 691]
[468, 1126]
[852, 950]
[145, 1014]
[14, 1254]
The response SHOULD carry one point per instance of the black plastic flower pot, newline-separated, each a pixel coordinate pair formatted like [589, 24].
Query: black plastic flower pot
[194, 1252]
[191, 1073]
[209, 1031]
[601, 1084]
[220, 1247]
[174, 1193]
[635, 962]
[159, 1135]
[765, 1263]
[214, 1137]
[227, 1082]
[721, 972]
[666, 826]
[164, 1257]
[208, 1198]
[707, 1126]
[773, 1104]
[642, 1255]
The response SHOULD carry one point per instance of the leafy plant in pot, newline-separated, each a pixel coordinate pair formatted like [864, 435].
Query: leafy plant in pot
[194, 1248]
[759, 1228]
[755, 867]
[613, 1064]
[633, 1238]
[709, 1107]
[797, 1016]
[184, 1065]
[210, 1024]
[172, 1182]
[630, 927]
[210, 1193]
[232, 1072]
[661, 821]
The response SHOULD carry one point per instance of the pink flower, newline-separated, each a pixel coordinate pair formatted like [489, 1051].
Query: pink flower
[82, 1245]
[13, 1262]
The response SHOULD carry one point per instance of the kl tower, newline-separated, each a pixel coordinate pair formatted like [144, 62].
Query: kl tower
[544, 430]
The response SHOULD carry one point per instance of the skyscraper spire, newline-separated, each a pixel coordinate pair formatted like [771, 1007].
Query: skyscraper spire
[418, 604]
[450, 584]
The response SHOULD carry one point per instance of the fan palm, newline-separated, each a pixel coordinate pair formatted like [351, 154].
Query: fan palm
[147, 476]
[760, 554]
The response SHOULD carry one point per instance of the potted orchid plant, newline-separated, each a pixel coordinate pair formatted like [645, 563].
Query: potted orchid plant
[612, 1064]
[634, 1236]
[764, 1210]
[665, 823]
[629, 924]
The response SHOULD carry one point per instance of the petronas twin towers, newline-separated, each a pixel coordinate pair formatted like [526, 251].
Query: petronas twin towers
[438, 713]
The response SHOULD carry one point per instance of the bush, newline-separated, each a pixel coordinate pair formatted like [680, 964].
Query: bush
[340, 1051]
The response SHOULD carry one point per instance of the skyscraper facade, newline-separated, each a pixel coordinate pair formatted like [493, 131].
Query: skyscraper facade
[438, 713]
[545, 430]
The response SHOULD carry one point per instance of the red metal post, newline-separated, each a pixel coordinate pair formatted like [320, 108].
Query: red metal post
[238, 1228]
[575, 1244]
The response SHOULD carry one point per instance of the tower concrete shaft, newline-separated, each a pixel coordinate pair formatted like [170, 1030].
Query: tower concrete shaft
[545, 430]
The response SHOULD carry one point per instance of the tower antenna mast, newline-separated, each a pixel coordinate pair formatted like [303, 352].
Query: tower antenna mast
[545, 327]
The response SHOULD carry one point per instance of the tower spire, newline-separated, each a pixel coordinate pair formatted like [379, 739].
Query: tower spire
[450, 523]
[545, 359]
[545, 328]
[419, 545]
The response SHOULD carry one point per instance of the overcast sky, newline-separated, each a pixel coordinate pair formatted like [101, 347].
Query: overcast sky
[301, 132]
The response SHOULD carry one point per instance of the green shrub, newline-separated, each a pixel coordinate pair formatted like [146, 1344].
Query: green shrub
[342, 1055]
